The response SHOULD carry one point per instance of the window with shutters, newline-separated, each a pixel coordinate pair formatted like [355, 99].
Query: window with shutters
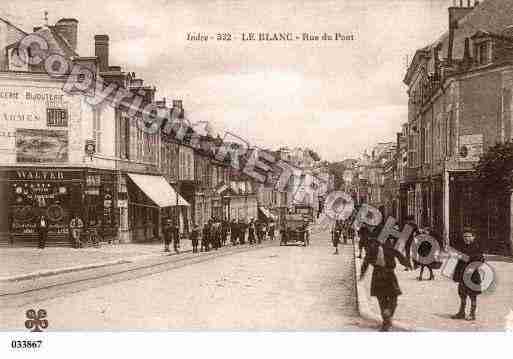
[97, 129]
[427, 144]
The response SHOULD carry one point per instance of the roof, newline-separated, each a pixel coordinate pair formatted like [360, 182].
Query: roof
[490, 16]
[56, 43]
[11, 24]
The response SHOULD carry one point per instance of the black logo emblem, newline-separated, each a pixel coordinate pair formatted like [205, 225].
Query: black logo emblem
[36, 322]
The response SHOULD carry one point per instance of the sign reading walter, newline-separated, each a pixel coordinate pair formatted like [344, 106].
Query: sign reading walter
[41, 146]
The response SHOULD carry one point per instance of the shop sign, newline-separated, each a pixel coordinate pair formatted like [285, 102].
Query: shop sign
[40, 174]
[37, 145]
[90, 147]
[56, 117]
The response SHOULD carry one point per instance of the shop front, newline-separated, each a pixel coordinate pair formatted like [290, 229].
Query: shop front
[56, 193]
[151, 199]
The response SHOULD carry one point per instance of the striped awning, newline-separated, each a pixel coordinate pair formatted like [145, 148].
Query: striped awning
[267, 213]
[158, 190]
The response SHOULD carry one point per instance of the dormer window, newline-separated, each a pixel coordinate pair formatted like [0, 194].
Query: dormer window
[484, 53]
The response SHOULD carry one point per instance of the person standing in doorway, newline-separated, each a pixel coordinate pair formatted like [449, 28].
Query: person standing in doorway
[42, 229]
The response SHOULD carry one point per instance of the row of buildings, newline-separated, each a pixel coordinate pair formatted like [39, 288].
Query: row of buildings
[61, 156]
[460, 104]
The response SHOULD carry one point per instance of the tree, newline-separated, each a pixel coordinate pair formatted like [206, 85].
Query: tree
[494, 171]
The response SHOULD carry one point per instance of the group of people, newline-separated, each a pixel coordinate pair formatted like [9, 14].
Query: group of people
[76, 230]
[215, 233]
[383, 257]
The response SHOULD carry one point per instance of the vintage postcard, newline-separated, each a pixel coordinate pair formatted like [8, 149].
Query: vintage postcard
[293, 165]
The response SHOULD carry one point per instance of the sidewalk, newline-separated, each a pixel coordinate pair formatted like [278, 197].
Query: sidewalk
[428, 305]
[33, 262]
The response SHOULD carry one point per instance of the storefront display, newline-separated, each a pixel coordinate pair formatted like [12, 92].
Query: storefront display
[41, 192]
[58, 194]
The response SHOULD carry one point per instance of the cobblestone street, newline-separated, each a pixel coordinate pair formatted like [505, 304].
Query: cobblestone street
[272, 288]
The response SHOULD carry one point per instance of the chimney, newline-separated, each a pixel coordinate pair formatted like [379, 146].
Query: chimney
[178, 108]
[177, 104]
[466, 55]
[101, 50]
[455, 14]
[68, 29]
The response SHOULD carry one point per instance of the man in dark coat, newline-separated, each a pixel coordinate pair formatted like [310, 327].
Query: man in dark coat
[363, 234]
[472, 249]
[335, 236]
[384, 283]
[233, 232]
[251, 232]
[194, 238]
[175, 233]
[168, 235]
[271, 231]
[259, 227]
[42, 228]
[205, 238]
[242, 232]
[215, 234]
[224, 231]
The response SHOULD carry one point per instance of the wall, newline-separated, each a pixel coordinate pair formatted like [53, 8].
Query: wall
[28, 137]
[479, 106]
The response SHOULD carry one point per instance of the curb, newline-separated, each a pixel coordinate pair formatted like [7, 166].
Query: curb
[52, 272]
[365, 310]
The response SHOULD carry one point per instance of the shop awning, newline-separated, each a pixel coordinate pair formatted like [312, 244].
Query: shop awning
[158, 190]
[267, 213]
[221, 189]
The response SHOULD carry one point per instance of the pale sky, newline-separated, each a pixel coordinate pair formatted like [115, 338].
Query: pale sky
[337, 98]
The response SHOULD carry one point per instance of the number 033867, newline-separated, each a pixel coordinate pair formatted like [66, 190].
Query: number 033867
[26, 344]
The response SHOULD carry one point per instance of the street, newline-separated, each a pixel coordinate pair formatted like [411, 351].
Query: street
[266, 288]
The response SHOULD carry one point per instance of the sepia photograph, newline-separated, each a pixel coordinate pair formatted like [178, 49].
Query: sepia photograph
[329, 166]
